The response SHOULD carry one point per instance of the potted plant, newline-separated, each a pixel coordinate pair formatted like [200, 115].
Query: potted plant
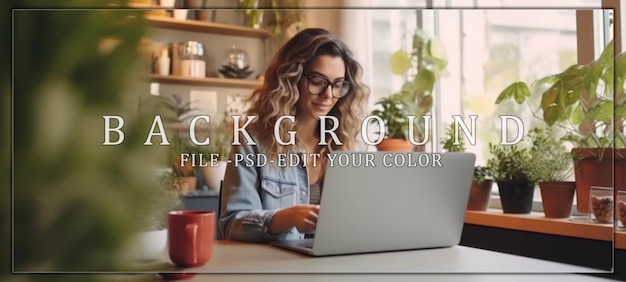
[579, 100]
[184, 172]
[394, 114]
[422, 65]
[172, 109]
[480, 191]
[553, 166]
[216, 154]
[512, 169]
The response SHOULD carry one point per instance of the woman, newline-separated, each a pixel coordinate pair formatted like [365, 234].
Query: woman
[314, 74]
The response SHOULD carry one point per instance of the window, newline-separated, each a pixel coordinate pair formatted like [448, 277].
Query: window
[508, 48]
[487, 50]
[496, 48]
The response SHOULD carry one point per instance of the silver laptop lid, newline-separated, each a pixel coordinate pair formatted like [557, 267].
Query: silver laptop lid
[383, 201]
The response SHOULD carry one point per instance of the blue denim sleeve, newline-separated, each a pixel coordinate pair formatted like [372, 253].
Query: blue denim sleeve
[242, 217]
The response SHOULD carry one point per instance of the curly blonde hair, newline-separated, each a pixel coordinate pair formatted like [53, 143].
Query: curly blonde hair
[279, 94]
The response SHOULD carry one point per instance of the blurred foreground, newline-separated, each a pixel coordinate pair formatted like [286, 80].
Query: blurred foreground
[73, 198]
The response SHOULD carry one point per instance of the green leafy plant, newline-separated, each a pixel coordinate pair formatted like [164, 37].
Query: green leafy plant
[511, 163]
[453, 142]
[394, 115]
[181, 145]
[172, 109]
[284, 13]
[69, 188]
[620, 101]
[481, 173]
[579, 99]
[549, 157]
[450, 144]
[422, 65]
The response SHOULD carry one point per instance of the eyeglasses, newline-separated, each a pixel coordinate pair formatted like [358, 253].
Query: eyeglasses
[317, 84]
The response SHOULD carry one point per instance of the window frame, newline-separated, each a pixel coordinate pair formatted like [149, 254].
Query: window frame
[589, 24]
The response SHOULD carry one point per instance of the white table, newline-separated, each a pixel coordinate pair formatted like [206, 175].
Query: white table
[235, 261]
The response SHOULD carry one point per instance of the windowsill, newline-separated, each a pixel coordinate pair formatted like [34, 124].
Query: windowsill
[537, 206]
[536, 222]
[620, 239]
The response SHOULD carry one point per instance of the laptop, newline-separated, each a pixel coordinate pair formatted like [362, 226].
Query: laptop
[385, 201]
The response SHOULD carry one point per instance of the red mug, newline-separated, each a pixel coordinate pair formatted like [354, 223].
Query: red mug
[190, 237]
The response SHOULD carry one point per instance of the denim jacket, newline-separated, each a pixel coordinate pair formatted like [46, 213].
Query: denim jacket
[253, 191]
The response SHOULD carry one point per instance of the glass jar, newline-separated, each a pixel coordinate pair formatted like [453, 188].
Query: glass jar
[621, 209]
[601, 204]
[237, 58]
[192, 62]
[236, 64]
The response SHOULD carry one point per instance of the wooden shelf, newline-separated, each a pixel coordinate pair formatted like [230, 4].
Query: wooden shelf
[207, 81]
[536, 222]
[208, 27]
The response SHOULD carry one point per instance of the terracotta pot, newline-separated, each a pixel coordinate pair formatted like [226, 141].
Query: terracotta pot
[595, 168]
[187, 183]
[557, 198]
[395, 145]
[516, 195]
[480, 195]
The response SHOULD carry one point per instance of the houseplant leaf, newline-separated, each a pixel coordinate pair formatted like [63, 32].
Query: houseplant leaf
[518, 91]
[601, 69]
[572, 78]
[424, 80]
[437, 49]
[551, 114]
[400, 62]
[620, 111]
[572, 96]
[549, 97]
[607, 77]
[551, 79]
[598, 67]
[419, 37]
[602, 111]
[577, 115]
[606, 58]
[620, 74]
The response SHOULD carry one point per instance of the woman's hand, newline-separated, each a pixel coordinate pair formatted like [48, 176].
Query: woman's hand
[302, 217]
